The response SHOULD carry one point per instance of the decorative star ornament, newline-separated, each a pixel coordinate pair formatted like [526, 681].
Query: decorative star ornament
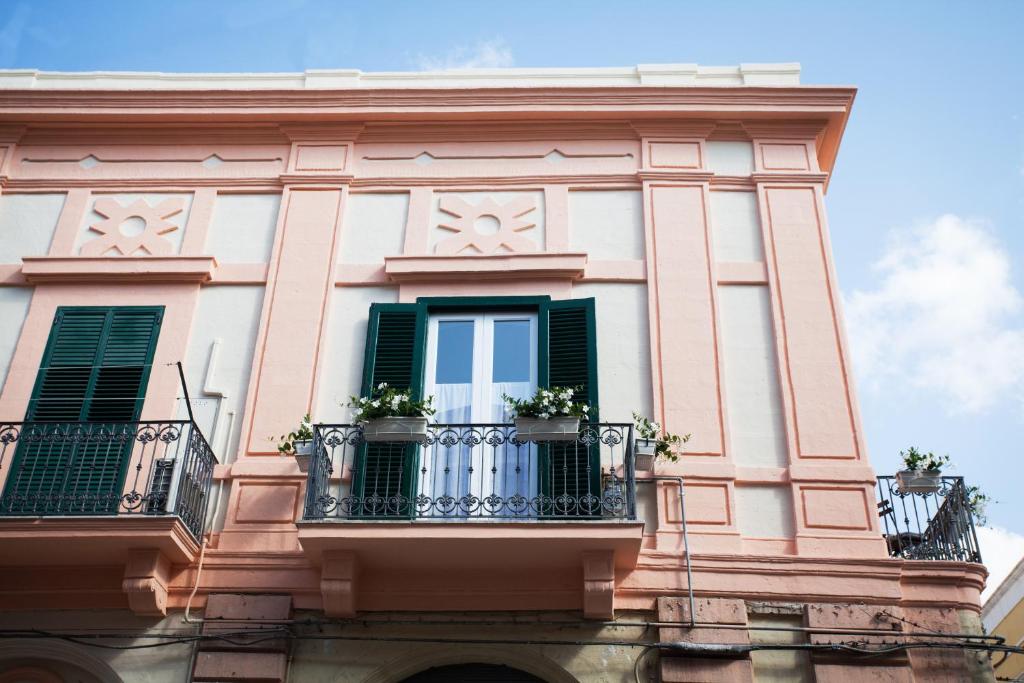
[463, 222]
[149, 241]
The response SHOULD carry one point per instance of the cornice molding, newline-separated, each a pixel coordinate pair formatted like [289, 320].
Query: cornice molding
[789, 178]
[169, 184]
[396, 104]
[297, 132]
[316, 180]
[623, 180]
[12, 134]
[673, 129]
[117, 269]
[493, 267]
[689, 176]
[177, 134]
[496, 131]
[785, 131]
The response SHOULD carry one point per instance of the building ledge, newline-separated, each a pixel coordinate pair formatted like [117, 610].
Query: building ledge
[493, 267]
[114, 269]
[455, 555]
[92, 541]
[440, 545]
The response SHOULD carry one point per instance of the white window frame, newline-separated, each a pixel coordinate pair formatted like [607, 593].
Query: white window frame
[482, 378]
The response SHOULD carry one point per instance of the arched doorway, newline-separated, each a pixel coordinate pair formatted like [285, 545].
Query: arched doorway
[473, 673]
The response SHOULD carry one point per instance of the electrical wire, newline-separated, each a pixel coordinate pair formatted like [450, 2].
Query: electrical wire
[250, 637]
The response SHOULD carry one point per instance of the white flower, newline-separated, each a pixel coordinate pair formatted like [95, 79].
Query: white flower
[585, 409]
[382, 386]
[544, 416]
[375, 404]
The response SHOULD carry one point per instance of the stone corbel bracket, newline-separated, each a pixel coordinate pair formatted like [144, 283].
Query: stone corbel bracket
[338, 583]
[599, 584]
[146, 577]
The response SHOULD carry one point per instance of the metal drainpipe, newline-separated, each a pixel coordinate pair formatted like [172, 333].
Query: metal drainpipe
[686, 539]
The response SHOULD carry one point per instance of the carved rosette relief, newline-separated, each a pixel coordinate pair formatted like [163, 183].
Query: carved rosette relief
[487, 227]
[135, 228]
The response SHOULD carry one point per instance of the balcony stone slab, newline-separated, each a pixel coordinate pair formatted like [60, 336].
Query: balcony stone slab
[92, 541]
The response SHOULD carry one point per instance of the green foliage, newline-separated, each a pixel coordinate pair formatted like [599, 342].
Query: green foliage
[914, 459]
[286, 443]
[547, 403]
[664, 442]
[977, 502]
[389, 402]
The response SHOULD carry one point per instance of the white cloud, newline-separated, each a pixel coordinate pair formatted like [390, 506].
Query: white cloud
[943, 318]
[1001, 550]
[486, 54]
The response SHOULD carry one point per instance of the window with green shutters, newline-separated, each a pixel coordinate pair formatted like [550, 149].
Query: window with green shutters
[395, 351]
[92, 378]
[394, 355]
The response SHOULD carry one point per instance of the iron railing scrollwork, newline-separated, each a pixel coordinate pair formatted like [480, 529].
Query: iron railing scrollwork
[936, 525]
[107, 468]
[472, 471]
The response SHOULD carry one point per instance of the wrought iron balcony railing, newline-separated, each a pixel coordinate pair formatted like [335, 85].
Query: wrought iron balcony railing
[106, 468]
[472, 472]
[928, 526]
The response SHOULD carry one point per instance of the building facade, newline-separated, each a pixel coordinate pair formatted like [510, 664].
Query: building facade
[191, 263]
[1003, 615]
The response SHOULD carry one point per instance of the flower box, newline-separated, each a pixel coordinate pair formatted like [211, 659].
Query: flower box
[643, 455]
[561, 428]
[395, 430]
[303, 451]
[918, 481]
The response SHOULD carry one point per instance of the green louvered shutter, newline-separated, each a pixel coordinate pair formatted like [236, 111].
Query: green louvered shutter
[91, 382]
[568, 358]
[395, 343]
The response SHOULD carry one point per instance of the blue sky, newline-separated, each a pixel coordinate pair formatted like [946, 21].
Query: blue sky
[926, 204]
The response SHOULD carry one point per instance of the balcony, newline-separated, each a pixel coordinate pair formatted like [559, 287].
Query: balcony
[90, 493]
[928, 526]
[472, 500]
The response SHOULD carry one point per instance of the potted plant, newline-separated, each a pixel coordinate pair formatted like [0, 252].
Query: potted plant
[921, 473]
[298, 443]
[550, 415]
[977, 502]
[392, 415]
[653, 442]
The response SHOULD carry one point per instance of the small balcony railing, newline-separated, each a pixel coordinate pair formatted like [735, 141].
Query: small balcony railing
[928, 526]
[470, 472]
[104, 468]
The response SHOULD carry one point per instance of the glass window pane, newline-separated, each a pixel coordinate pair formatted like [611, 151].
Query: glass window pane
[454, 352]
[511, 351]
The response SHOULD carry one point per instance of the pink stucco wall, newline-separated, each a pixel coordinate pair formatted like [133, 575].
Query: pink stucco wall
[318, 148]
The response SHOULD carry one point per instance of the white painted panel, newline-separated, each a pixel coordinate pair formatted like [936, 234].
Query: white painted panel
[342, 371]
[607, 224]
[623, 348]
[230, 314]
[647, 507]
[753, 396]
[736, 227]
[513, 210]
[133, 224]
[374, 227]
[14, 303]
[728, 157]
[764, 511]
[27, 222]
[242, 228]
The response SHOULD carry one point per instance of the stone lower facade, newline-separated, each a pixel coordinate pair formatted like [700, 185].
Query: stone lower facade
[259, 638]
